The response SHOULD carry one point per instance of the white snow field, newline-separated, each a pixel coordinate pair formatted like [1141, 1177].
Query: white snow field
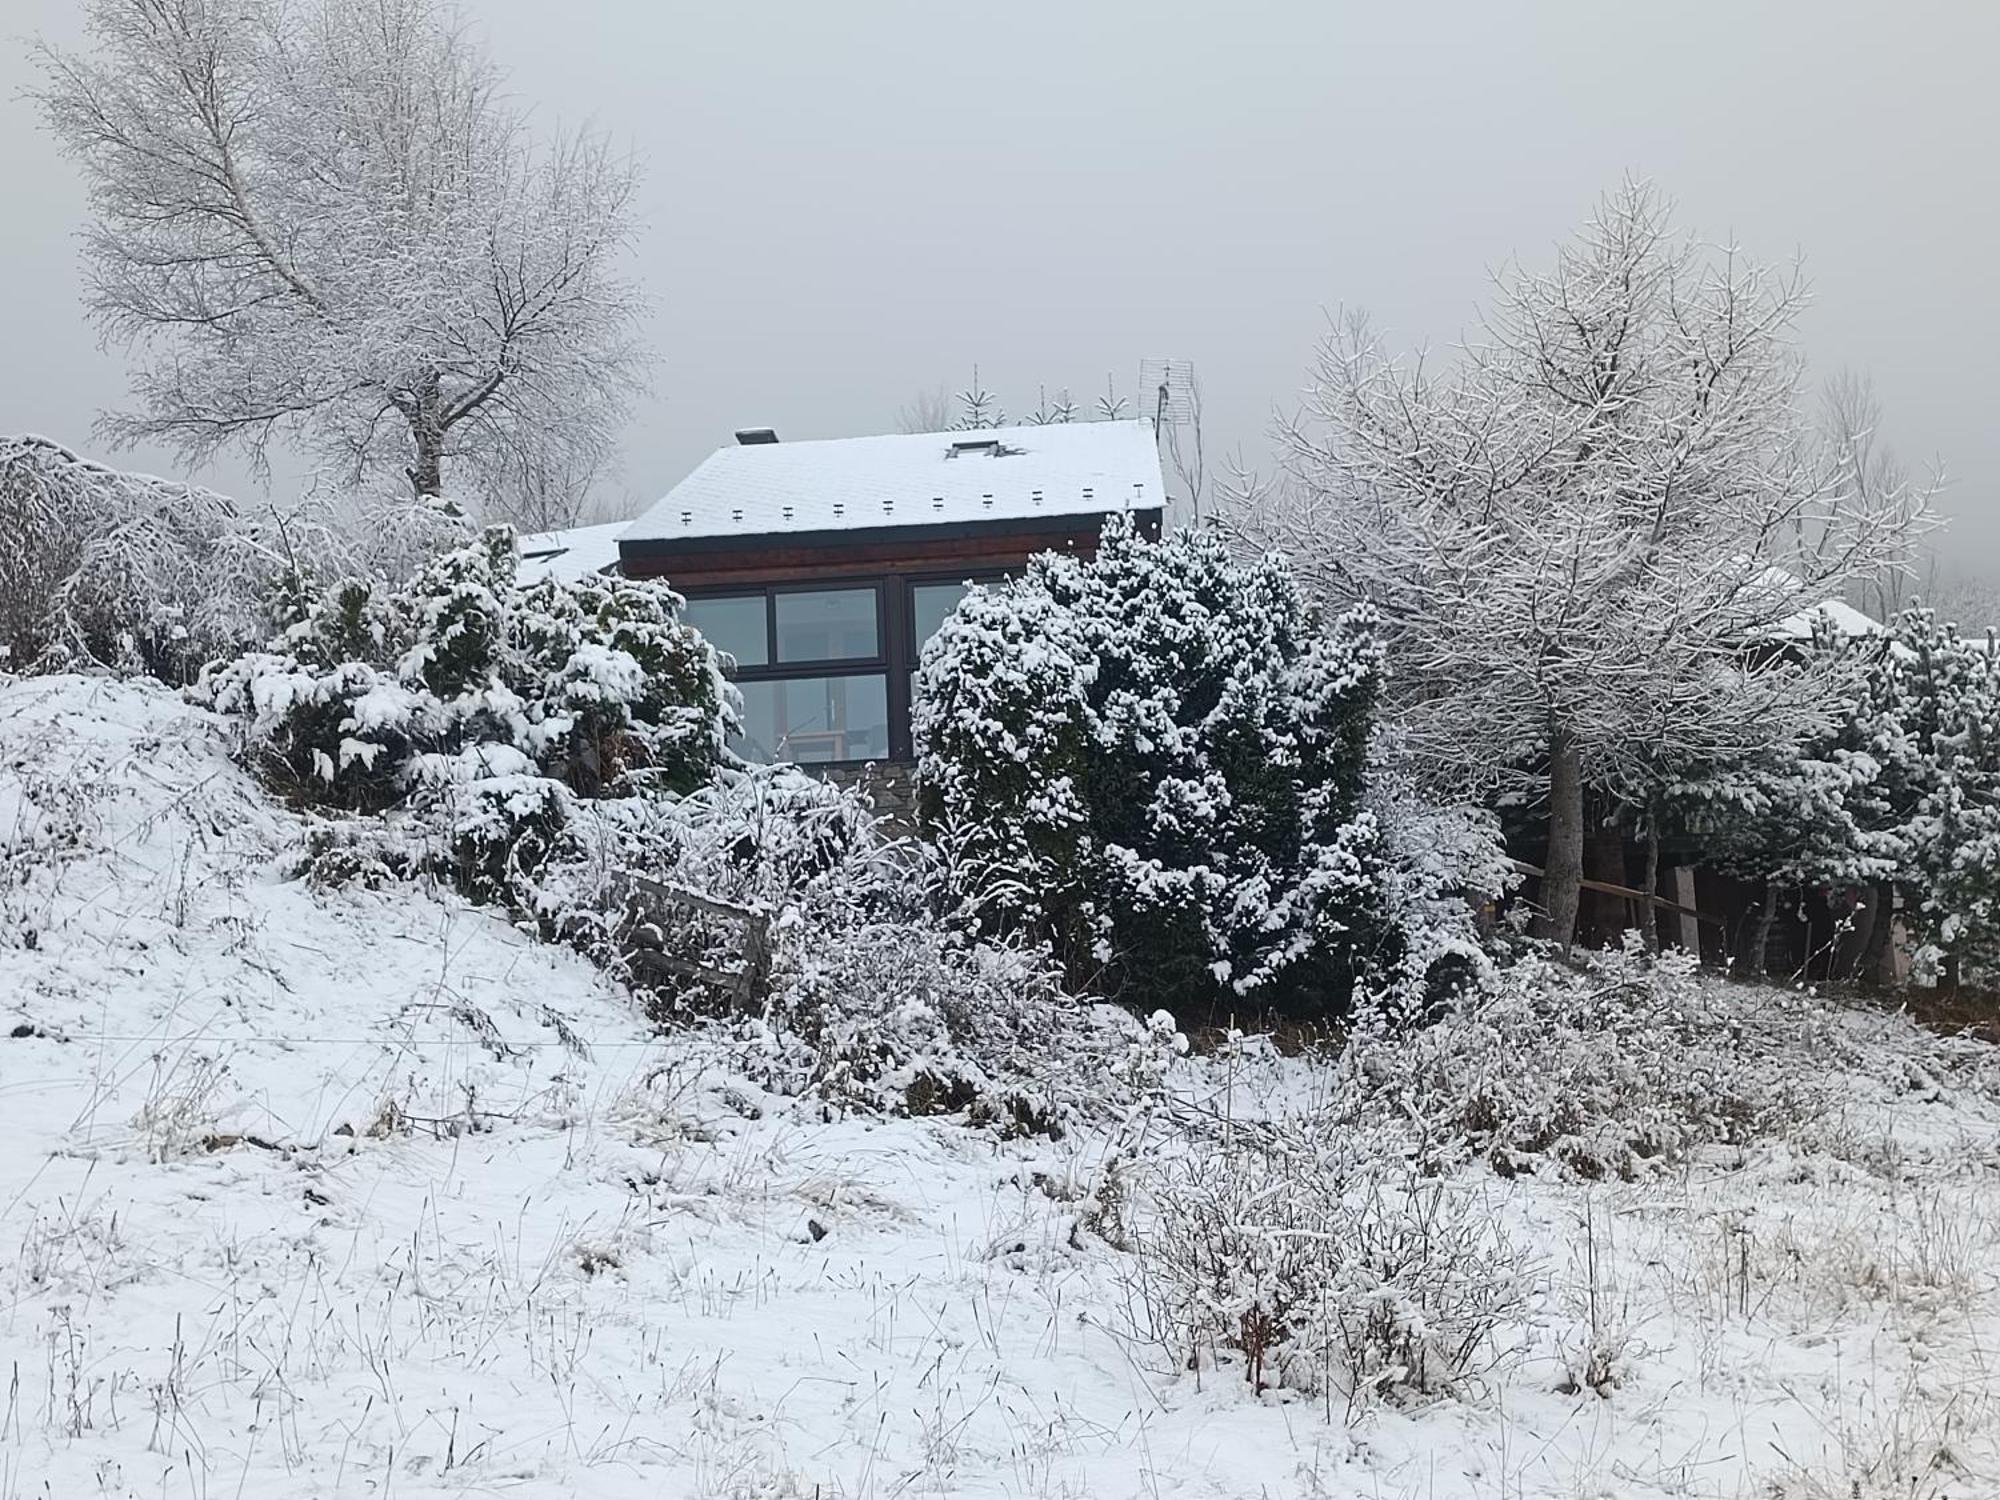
[367, 1194]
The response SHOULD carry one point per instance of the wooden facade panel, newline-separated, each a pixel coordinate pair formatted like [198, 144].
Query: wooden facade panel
[785, 563]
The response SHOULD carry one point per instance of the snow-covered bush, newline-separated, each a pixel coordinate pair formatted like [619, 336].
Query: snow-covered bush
[870, 1001]
[1436, 861]
[463, 682]
[556, 749]
[1598, 1070]
[109, 569]
[1154, 760]
[1903, 791]
[1325, 1267]
[113, 569]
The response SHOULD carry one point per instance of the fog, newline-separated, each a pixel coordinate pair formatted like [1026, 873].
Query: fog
[847, 204]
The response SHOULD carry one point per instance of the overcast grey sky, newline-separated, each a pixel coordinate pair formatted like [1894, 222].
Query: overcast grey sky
[848, 202]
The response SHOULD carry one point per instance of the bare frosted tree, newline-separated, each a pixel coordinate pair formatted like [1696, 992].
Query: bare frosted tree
[322, 221]
[127, 571]
[927, 411]
[1579, 529]
[542, 490]
[1968, 600]
[1868, 476]
[1187, 450]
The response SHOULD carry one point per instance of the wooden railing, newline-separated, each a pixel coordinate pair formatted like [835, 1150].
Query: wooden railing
[659, 903]
[1690, 918]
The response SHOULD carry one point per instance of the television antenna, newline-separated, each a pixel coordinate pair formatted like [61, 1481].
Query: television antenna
[1169, 385]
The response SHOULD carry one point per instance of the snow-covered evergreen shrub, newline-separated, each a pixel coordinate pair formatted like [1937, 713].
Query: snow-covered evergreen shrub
[502, 830]
[1903, 791]
[1154, 760]
[1941, 742]
[464, 682]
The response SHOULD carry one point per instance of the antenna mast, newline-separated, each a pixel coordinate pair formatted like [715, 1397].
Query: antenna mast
[1170, 382]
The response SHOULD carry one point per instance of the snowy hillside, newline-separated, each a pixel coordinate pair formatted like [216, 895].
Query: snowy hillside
[367, 1194]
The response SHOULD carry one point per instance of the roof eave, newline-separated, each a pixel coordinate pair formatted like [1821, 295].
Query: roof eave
[835, 538]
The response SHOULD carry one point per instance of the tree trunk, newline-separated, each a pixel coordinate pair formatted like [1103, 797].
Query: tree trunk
[427, 437]
[1562, 880]
[1866, 914]
[427, 475]
[1878, 956]
[1652, 884]
[1760, 940]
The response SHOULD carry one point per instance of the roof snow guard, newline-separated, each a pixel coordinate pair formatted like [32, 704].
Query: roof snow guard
[997, 475]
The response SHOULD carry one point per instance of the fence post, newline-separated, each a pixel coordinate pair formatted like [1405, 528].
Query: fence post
[1684, 895]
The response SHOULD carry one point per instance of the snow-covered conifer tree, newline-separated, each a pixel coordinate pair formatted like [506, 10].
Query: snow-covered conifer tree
[1577, 528]
[1943, 725]
[1902, 793]
[1155, 759]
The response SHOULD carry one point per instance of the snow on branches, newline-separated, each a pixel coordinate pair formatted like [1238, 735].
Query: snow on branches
[870, 1001]
[1156, 760]
[117, 570]
[463, 678]
[1903, 791]
[1946, 698]
[113, 570]
[327, 222]
[1574, 528]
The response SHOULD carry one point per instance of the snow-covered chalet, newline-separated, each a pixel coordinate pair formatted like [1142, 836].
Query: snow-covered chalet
[822, 567]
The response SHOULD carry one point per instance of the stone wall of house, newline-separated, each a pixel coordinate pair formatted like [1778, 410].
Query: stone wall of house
[892, 787]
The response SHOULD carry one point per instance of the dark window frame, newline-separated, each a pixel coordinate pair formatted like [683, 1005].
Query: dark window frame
[876, 585]
[895, 644]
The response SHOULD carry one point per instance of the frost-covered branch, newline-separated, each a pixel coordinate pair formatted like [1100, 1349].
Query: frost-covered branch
[1580, 530]
[323, 222]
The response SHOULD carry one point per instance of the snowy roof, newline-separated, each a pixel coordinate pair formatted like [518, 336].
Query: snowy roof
[912, 479]
[1846, 621]
[568, 555]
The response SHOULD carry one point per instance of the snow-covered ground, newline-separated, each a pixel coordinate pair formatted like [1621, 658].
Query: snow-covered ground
[367, 1194]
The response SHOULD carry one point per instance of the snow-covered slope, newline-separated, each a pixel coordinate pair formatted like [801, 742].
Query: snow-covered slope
[369, 1195]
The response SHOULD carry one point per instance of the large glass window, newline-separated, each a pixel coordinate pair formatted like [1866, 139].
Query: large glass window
[829, 625]
[930, 603]
[814, 719]
[736, 624]
[826, 674]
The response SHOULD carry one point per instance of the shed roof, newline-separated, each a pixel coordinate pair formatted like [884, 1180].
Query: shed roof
[1010, 474]
[1845, 620]
[567, 555]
